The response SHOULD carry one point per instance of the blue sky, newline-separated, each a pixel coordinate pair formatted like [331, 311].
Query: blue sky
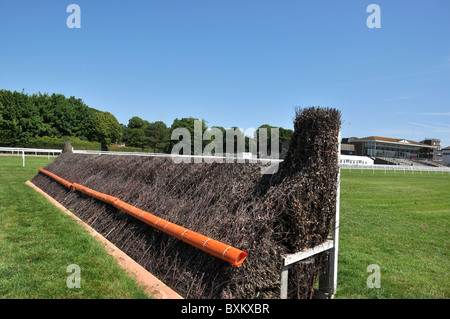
[239, 63]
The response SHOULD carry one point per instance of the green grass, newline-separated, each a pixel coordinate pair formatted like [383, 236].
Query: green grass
[38, 242]
[401, 223]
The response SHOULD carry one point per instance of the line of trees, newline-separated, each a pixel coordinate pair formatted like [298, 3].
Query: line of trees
[23, 117]
[156, 136]
[36, 118]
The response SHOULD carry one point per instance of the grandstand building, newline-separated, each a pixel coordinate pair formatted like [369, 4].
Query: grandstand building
[386, 147]
[434, 154]
[446, 155]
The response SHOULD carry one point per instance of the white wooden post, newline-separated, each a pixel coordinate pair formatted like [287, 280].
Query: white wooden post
[335, 233]
[284, 281]
[328, 278]
[23, 158]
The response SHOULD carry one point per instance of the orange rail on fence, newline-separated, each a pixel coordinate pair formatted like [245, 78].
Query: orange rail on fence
[214, 247]
[57, 178]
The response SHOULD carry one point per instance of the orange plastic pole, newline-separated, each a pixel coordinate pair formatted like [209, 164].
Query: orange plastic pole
[56, 178]
[100, 196]
[216, 248]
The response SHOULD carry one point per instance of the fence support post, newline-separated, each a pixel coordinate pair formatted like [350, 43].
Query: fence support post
[284, 281]
[328, 278]
[23, 158]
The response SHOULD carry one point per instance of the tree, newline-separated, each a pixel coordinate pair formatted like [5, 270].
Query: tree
[284, 135]
[235, 141]
[20, 120]
[62, 116]
[106, 129]
[83, 118]
[136, 138]
[136, 122]
[125, 134]
[218, 150]
[158, 136]
[189, 124]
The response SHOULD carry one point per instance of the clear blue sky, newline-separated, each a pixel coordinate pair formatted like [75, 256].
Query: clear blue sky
[239, 63]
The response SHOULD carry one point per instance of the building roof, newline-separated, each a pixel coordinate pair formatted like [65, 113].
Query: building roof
[397, 141]
[446, 148]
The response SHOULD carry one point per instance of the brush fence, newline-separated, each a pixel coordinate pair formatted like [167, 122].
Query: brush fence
[287, 222]
[328, 277]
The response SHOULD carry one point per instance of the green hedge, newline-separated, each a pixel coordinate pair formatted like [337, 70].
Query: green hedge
[77, 144]
[115, 148]
[57, 143]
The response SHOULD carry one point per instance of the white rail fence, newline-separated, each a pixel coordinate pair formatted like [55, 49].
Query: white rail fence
[18, 151]
[401, 169]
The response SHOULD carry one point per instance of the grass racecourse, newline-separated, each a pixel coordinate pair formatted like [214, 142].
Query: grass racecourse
[394, 227]
[38, 242]
[399, 222]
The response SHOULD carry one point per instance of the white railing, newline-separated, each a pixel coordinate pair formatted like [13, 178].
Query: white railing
[92, 152]
[396, 168]
[22, 151]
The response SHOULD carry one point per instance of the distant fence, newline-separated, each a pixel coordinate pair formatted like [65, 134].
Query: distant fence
[174, 155]
[376, 167]
[396, 168]
[29, 151]
[21, 151]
